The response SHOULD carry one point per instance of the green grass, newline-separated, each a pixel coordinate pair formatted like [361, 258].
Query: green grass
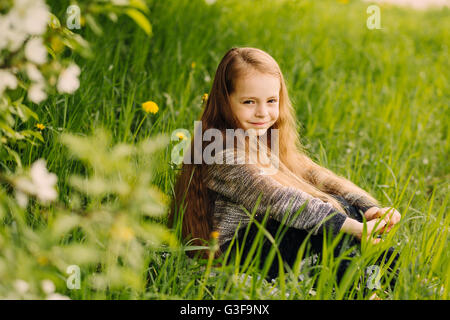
[372, 105]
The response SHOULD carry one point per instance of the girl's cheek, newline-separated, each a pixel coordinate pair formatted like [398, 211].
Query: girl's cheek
[276, 114]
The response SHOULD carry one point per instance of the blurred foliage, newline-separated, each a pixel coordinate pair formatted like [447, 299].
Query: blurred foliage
[106, 231]
[30, 32]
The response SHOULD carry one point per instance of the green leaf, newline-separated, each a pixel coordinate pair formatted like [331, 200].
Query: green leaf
[194, 248]
[93, 25]
[31, 133]
[27, 112]
[139, 4]
[140, 19]
[54, 21]
[112, 16]
[78, 44]
[14, 155]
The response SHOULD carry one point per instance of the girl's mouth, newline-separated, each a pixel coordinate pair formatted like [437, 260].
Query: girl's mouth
[258, 124]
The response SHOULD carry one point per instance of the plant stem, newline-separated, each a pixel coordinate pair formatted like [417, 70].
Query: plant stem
[139, 127]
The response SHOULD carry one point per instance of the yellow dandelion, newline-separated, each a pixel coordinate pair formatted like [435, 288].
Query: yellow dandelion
[40, 126]
[180, 135]
[215, 234]
[42, 260]
[205, 97]
[150, 107]
[343, 1]
[193, 64]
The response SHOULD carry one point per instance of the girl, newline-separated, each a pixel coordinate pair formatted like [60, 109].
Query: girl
[249, 93]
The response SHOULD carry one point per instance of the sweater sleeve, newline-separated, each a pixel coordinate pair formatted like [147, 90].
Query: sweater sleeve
[243, 184]
[360, 202]
[330, 183]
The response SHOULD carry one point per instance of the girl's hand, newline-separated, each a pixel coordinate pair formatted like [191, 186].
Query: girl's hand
[374, 227]
[389, 214]
[355, 228]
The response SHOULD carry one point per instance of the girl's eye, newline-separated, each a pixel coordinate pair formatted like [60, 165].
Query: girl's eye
[273, 100]
[247, 101]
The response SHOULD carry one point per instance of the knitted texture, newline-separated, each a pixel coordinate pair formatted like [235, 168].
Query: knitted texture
[237, 186]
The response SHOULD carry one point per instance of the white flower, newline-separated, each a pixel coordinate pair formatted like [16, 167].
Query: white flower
[210, 1]
[35, 51]
[21, 286]
[26, 17]
[68, 79]
[22, 199]
[48, 286]
[10, 37]
[3, 35]
[7, 80]
[36, 92]
[33, 73]
[37, 19]
[42, 183]
[31, 16]
[57, 296]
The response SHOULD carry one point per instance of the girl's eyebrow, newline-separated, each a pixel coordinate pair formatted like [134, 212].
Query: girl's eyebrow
[255, 98]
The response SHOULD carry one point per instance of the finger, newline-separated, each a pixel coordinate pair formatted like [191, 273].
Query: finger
[372, 213]
[385, 229]
[386, 212]
[390, 215]
[394, 218]
[397, 217]
[393, 213]
[376, 240]
[379, 225]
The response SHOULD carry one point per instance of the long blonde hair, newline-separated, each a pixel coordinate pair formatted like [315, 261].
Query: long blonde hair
[297, 169]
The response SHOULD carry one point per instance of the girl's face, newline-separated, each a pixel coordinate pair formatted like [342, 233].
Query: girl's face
[255, 101]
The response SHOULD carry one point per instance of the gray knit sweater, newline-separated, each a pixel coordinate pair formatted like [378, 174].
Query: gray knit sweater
[240, 185]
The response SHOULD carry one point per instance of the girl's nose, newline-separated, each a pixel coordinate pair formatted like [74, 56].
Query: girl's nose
[261, 111]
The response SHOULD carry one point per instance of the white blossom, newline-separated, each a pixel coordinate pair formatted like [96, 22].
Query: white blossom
[21, 286]
[3, 35]
[7, 80]
[26, 17]
[57, 296]
[48, 286]
[42, 183]
[36, 92]
[10, 37]
[22, 199]
[35, 51]
[33, 73]
[31, 16]
[68, 79]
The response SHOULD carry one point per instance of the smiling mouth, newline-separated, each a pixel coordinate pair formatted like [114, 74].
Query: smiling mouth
[259, 124]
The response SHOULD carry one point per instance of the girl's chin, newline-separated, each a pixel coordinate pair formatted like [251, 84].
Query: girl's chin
[257, 131]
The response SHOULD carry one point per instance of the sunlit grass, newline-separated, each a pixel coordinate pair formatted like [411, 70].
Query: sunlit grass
[372, 105]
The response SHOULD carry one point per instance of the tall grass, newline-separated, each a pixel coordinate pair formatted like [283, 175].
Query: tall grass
[372, 105]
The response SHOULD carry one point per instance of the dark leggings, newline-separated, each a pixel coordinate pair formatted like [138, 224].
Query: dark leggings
[293, 238]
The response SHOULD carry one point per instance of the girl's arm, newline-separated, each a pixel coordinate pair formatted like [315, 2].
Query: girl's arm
[329, 182]
[243, 184]
[355, 228]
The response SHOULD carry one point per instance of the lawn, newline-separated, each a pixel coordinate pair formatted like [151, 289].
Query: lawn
[372, 105]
